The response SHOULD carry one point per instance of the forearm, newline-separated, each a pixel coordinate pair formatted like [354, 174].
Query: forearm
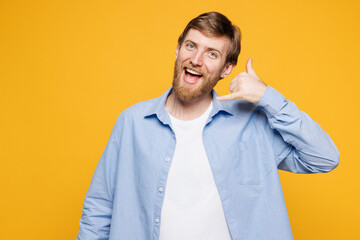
[96, 217]
[311, 149]
[98, 205]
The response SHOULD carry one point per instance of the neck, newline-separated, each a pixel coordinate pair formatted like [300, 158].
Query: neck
[188, 110]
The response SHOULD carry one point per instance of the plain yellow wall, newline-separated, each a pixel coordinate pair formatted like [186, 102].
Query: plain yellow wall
[68, 68]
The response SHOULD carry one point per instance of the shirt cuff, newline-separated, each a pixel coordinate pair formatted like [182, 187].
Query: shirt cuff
[272, 101]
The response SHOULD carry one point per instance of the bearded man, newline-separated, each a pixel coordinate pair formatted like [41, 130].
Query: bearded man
[193, 165]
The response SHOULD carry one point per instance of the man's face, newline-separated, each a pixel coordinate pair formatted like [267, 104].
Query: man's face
[199, 65]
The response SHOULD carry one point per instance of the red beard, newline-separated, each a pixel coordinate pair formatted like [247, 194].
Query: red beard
[188, 93]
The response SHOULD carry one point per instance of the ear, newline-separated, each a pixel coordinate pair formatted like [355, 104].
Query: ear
[227, 70]
[177, 51]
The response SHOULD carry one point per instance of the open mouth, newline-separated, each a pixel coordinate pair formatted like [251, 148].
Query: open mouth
[191, 76]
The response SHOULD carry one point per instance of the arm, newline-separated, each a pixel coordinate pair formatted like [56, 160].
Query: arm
[97, 210]
[299, 143]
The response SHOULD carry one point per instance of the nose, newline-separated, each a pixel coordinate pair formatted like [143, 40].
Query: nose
[197, 58]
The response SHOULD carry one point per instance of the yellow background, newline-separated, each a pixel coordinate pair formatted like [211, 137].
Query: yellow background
[68, 68]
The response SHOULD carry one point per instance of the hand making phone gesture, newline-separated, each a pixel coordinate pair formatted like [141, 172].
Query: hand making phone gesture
[246, 85]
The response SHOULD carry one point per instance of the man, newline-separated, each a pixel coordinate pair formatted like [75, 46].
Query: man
[193, 165]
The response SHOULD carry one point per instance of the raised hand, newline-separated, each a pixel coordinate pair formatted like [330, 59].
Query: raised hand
[246, 85]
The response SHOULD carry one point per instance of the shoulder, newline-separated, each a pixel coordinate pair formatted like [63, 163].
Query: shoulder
[141, 109]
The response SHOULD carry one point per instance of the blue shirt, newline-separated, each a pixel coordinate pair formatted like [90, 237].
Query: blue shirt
[246, 143]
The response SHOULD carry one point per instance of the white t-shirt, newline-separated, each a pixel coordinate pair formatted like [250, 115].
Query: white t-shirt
[192, 208]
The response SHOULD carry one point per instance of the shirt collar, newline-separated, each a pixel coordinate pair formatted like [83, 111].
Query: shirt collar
[158, 107]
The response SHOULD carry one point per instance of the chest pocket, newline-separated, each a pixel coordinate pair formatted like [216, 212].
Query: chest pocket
[252, 163]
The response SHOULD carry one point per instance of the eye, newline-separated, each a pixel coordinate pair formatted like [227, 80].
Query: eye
[212, 54]
[190, 46]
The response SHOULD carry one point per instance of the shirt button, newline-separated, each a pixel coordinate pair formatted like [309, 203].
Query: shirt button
[167, 159]
[157, 220]
[161, 189]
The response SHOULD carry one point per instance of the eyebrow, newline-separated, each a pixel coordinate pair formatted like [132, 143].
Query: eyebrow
[208, 49]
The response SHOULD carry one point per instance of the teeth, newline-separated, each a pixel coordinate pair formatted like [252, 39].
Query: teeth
[193, 72]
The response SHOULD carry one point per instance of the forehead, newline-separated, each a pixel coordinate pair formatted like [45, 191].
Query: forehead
[219, 43]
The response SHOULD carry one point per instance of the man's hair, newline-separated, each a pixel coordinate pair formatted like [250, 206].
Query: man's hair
[214, 24]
